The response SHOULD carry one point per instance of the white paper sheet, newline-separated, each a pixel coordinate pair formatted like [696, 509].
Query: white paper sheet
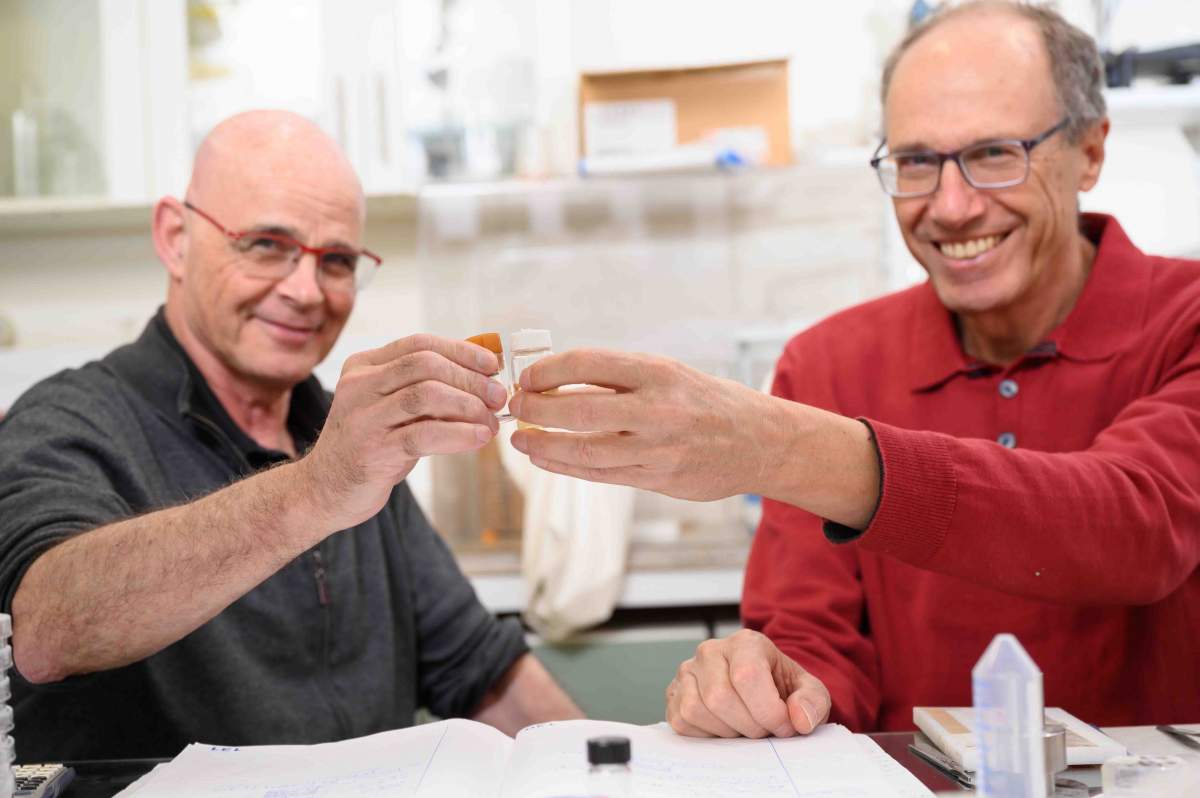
[902, 783]
[462, 758]
[440, 759]
[550, 760]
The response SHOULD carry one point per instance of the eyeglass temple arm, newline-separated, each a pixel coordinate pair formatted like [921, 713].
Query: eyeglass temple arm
[878, 156]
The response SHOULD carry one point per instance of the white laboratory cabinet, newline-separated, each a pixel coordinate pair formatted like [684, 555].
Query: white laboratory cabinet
[91, 98]
[107, 99]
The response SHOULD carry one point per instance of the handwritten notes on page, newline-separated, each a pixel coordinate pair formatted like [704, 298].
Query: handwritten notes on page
[548, 760]
[451, 758]
[462, 758]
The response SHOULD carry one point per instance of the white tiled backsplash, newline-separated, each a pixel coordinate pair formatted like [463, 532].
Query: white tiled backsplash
[699, 268]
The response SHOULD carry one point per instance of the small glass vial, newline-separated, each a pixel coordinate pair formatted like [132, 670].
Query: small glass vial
[609, 775]
[528, 347]
[491, 342]
[1146, 777]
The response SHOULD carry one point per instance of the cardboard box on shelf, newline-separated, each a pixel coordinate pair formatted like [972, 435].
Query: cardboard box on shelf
[743, 107]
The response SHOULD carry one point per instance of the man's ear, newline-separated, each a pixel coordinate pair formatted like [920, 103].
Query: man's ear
[170, 236]
[1092, 148]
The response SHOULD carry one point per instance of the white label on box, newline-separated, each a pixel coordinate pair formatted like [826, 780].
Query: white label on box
[629, 127]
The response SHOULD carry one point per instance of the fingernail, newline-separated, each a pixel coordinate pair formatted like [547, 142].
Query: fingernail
[518, 441]
[483, 434]
[810, 712]
[525, 381]
[486, 362]
[496, 394]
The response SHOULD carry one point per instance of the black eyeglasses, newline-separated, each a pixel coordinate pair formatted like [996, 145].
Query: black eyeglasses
[989, 164]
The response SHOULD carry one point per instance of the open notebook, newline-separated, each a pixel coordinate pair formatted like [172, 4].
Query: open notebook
[465, 758]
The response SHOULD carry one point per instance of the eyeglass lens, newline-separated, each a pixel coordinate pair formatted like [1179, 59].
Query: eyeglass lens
[274, 256]
[988, 165]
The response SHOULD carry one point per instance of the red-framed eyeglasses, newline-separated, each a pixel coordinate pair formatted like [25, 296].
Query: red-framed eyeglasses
[273, 254]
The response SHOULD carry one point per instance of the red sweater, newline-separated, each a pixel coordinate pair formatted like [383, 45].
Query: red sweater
[1082, 539]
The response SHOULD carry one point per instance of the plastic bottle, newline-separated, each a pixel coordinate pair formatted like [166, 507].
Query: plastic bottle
[1009, 716]
[609, 775]
[528, 347]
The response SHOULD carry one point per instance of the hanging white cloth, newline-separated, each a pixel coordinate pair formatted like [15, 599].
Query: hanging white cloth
[574, 545]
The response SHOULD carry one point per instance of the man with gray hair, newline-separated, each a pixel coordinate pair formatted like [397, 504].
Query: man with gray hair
[1008, 447]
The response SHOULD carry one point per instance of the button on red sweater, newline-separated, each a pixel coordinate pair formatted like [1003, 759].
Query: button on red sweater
[1057, 499]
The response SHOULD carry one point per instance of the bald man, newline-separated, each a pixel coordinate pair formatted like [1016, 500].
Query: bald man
[1010, 446]
[196, 543]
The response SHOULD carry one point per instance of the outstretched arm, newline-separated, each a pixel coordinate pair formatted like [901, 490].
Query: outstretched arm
[1008, 519]
[675, 430]
[121, 592]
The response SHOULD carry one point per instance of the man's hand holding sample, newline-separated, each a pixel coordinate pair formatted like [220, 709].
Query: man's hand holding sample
[414, 397]
[675, 430]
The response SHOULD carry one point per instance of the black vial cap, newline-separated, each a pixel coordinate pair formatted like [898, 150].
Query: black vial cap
[608, 751]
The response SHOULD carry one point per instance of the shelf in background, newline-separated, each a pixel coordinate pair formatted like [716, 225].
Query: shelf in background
[690, 587]
[35, 216]
[702, 569]
[70, 215]
[40, 215]
[1155, 104]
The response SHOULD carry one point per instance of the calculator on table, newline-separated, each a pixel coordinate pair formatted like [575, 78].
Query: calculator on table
[41, 781]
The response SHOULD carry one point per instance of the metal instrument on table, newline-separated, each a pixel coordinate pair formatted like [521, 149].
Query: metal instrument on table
[1188, 738]
[1055, 740]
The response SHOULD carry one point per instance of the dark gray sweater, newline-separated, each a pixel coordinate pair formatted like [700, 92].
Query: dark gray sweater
[304, 657]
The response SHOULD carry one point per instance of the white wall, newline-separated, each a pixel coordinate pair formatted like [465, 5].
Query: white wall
[99, 286]
[836, 50]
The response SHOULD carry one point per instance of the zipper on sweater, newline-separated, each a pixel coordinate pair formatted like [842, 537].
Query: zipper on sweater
[222, 439]
[320, 576]
[324, 599]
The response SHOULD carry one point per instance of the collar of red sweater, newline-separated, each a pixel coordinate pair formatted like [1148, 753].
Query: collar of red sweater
[1104, 320]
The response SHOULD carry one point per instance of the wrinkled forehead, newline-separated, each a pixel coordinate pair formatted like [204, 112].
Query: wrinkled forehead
[971, 78]
[306, 200]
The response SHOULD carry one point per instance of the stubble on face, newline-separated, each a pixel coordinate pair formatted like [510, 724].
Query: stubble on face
[977, 77]
[265, 170]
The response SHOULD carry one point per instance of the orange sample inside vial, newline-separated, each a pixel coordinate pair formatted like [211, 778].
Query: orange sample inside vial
[491, 341]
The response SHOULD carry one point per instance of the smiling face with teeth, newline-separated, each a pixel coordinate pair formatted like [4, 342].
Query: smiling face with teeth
[1009, 262]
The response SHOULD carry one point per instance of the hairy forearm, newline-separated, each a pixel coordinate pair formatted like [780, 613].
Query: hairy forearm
[122, 592]
[526, 694]
[819, 461]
